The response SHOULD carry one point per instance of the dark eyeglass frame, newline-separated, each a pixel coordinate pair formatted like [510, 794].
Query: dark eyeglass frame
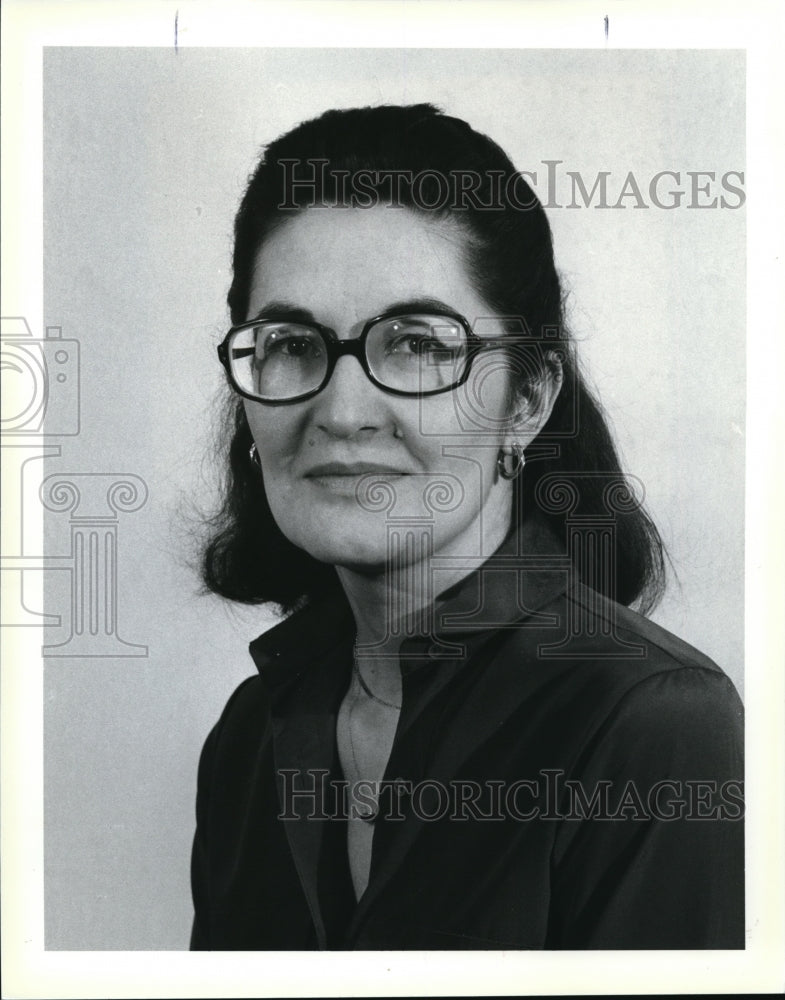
[355, 346]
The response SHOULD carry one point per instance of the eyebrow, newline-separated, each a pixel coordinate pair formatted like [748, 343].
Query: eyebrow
[283, 310]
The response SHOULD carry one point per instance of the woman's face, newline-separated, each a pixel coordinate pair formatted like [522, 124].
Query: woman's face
[343, 267]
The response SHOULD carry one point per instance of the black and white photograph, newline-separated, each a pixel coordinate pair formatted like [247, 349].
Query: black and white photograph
[390, 564]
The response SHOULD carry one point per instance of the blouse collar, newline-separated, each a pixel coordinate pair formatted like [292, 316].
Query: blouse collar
[524, 574]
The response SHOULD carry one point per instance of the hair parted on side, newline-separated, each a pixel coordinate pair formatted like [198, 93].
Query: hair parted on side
[420, 159]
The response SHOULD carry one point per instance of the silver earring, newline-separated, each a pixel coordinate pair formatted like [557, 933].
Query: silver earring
[511, 463]
[253, 454]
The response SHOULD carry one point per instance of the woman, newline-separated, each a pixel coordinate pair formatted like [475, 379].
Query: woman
[461, 737]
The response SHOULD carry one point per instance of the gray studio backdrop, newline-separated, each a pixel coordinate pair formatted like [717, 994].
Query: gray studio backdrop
[146, 153]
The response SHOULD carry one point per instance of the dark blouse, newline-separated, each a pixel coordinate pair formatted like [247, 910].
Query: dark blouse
[565, 775]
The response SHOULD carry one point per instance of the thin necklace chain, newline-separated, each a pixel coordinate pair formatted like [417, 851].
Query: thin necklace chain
[371, 816]
[367, 690]
[373, 812]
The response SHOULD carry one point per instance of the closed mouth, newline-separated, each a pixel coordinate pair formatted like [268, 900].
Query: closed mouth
[354, 469]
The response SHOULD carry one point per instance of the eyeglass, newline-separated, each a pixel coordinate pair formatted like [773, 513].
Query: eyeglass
[279, 361]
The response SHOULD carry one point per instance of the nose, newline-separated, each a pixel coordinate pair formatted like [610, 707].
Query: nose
[349, 404]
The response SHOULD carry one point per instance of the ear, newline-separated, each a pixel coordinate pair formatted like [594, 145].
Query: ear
[532, 404]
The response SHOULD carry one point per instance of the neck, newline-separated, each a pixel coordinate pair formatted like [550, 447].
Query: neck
[389, 605]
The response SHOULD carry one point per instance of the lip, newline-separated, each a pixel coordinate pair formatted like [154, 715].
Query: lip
[344, 470]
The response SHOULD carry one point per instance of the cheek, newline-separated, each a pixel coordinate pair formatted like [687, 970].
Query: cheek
[474, 416]
[483, 402]
[277, 433]
[457, 457]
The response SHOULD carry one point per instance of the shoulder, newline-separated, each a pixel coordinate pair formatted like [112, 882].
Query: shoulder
[595, 673]
[637, 686]
[240, 726]
[247, 701]
[606, 618]
[606, 633]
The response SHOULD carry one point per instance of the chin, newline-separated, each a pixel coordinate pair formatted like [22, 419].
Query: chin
[361, 542]
[369, 555]
[363, 552]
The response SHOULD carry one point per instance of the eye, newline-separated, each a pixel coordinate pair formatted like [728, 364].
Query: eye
[419, 344]
[295, 346]
[290, 342]
[423, 337]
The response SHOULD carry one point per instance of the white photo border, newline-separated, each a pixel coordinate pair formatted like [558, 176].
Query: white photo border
[28, 27]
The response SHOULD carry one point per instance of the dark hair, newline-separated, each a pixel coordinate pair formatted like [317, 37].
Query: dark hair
[509, 253]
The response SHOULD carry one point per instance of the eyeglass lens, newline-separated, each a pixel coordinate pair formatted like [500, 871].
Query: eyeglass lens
[282, 360]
